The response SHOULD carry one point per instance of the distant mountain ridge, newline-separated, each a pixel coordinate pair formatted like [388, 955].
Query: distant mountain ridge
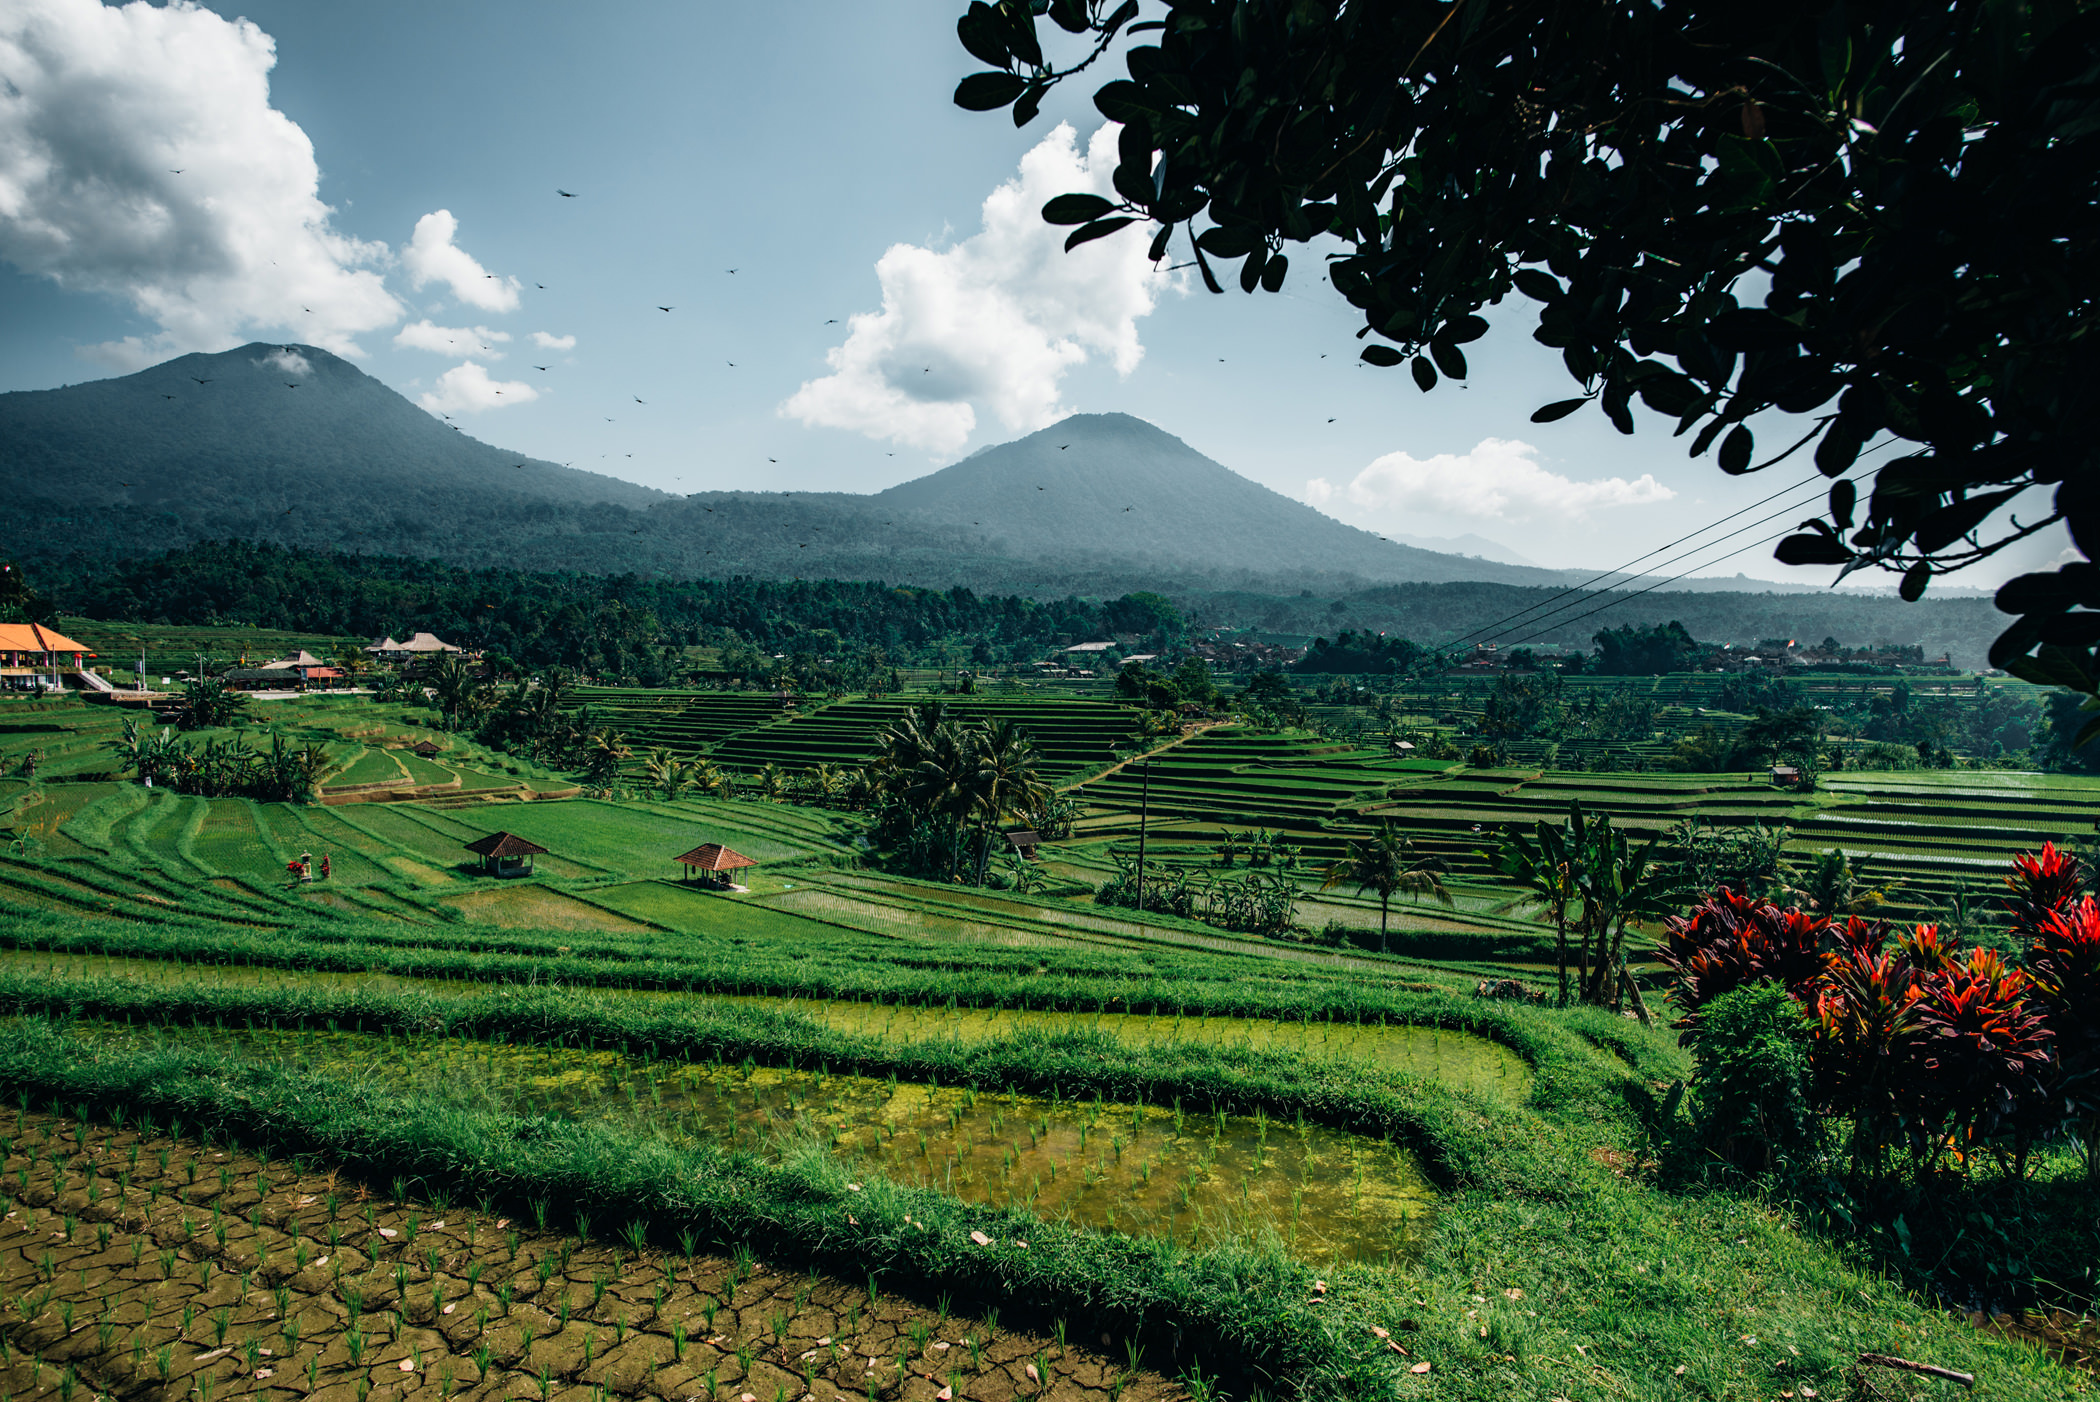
[295, 446]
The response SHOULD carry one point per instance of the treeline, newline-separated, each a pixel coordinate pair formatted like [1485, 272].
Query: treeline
[605, 625]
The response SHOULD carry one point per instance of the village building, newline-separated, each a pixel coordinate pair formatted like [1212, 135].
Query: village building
[33, 657]
[505, 854]
[302, 671]
[710, 864]
[420, 646]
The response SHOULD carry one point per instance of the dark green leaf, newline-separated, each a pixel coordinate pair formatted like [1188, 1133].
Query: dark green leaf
[1424, 372]
[1839, 447]
[1812, 548]
[980, 32]
[1134, 182]
[1159, 243]
[1210, 279]
[988, 92]
[1843, 495]
[1076, 209]
[1752, 329]
[1069, 15]
[1125, 13]
[1914, 581]
[1123, 101]
[1736, 449]
[1449, 358]
[1382, 355]
[1031, 103]
[1222, 241]
[1099, 228]
[1272, 273]
[1955, 520]
[1559, 409]
[1250, 271]
[1466, 328]
[1538, 286]
[1020, 34]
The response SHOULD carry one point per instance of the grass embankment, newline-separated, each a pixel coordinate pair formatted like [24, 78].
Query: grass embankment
[1559, 1266]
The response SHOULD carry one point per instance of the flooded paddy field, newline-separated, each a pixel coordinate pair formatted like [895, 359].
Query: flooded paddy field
[1200, 1179]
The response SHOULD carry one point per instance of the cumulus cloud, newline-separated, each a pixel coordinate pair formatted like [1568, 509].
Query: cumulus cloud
[1500, 479]
[467, 388]
[547, 341]
[451, 340]
[432, 256]
[289, 361]
[994, 322]
[140, 158]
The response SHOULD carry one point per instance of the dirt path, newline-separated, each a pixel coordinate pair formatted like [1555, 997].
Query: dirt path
[152, 1268]
[1194, 729]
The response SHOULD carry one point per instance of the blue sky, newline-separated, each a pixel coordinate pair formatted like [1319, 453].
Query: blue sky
[810, 147]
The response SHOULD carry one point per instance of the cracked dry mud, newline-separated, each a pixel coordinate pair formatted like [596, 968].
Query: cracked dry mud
[151, 1268]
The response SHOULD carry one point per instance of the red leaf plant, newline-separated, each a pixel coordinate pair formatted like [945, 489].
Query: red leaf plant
[2038, 887]
[2063, 965]
[1980, 1083]
[1866, 1036]
[1729, 940]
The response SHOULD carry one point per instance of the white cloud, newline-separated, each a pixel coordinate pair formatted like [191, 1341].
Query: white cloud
[1500, 479]
[467, 388]
[546, 341]
[100, 107]
[994, 322]
[451, 340]
[432, 256]
[287, 360]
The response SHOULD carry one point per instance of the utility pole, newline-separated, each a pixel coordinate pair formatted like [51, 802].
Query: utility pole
[1144, 804]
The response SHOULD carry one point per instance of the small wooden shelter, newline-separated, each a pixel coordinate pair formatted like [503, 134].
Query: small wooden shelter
[1025, 843]
[1786, 776]
[425, 749]
[711, 862]
[505, 854]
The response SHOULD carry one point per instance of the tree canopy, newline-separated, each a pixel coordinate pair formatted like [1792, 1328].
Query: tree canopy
[1843, 222]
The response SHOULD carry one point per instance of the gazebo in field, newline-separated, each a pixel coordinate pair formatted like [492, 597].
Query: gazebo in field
[505, 854]
[711, 862]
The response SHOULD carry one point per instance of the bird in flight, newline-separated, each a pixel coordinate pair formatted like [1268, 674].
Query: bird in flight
[174, 172]
[542, 367]
[541, 286]
[1330, 421]
[663, 309]
[637, 399]
[832, 322]
[167, 396]
[201, 382]
[732, 271]
[310, 311]
[564, 194]
[517, 464]
[289, 385]
[732, 365]
[1062, 446]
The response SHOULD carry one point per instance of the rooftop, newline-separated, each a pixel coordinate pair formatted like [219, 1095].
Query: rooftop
[503, 844]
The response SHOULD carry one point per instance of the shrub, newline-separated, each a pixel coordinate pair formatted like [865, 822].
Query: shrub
[2063, 966]
[1730, 940]
[1752, 1106]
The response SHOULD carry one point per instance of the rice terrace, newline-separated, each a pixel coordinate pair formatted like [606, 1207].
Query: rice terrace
[1004, 789]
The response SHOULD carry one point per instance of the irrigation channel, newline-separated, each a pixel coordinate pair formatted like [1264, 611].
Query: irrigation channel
[148, 1267]
[1201, 1179]
[1458, 1059]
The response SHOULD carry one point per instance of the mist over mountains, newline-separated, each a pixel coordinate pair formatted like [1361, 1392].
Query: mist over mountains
[295, 446]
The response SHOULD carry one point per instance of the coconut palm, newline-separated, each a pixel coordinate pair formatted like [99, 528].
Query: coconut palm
[1386, 862]
[665, 771]
[1003, 780]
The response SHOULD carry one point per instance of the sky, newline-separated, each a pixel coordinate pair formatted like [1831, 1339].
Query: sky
[786, 261]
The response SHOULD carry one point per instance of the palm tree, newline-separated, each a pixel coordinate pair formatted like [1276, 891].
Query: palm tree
[1386, 862]
[771, 782]
[603, 752]
[1002, 780]
[664, 771]
[823, 782]
[1550, 870]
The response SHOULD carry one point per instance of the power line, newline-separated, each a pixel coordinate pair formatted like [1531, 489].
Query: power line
[1708, 545]
[1578, 588]
[1617, 599]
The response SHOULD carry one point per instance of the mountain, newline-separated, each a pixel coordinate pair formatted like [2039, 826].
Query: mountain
[1113, 486]
[288, 443]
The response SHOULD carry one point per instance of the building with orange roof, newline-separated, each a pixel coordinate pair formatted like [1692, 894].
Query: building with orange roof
[29, 651]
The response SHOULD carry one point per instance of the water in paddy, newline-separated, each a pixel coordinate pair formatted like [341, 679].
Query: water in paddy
[1457, 1059]
[1199, 1178]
